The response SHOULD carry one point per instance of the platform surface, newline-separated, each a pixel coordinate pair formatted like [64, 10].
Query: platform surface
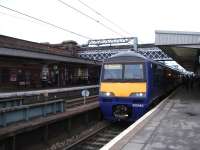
[175, 127]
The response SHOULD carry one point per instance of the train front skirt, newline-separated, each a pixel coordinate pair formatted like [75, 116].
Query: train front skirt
[122, 109]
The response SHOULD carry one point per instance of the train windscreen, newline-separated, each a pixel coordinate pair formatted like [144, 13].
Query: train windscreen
[112, 71]
[133, 71]
[123, 72]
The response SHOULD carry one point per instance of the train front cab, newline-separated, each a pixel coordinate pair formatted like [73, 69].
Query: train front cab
[123, 91]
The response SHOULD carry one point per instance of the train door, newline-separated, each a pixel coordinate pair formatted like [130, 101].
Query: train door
[155, 81]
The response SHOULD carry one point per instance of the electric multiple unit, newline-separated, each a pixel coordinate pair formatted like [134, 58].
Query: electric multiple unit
[130, 83]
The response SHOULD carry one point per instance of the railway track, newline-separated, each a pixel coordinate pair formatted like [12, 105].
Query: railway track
[98, 139]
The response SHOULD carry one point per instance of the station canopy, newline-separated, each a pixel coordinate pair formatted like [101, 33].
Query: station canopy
[183, 47]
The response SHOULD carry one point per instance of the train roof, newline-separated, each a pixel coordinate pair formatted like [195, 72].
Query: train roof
[130, 55]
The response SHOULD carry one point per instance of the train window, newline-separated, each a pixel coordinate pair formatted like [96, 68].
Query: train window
[134, 71]
[112, 71]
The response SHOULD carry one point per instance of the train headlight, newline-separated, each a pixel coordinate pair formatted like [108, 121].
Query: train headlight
[106, 94]
[139, 94]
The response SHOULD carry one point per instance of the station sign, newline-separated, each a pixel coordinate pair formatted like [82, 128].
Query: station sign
[85, 93]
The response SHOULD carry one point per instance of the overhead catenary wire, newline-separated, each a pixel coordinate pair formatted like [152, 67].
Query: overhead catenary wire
[45, 22]
[17, 17]
[107, 19]
[86, 15]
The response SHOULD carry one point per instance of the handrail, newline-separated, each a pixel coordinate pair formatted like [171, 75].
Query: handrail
[47, 91]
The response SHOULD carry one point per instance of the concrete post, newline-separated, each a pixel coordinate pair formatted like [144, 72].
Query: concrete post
[62, 106]
[26, 111]
[44, 111]
[54, 108]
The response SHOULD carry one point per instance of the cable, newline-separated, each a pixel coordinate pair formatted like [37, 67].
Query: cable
[45, 22]
[84, 14]
[98, 13]
[17, 17]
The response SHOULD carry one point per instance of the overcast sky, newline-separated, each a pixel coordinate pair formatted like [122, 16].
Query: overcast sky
[139, 17]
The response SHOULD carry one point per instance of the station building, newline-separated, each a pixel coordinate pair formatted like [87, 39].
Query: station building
[30, 65]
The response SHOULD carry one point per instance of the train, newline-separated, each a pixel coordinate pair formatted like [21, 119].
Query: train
[130, 83]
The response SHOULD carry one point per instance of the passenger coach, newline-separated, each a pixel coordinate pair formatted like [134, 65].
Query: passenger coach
[130, 83]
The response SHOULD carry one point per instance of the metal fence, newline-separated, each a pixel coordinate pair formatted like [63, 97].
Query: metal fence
[22, 106]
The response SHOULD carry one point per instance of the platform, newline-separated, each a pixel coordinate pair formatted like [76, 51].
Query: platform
[38, 122]
[176, 126]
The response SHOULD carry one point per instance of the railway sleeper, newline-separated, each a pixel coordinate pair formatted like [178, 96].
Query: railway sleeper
[102, 139]
[108, 136]
[96, 142]
[91, 146]
[85, 147]
[112, 132]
